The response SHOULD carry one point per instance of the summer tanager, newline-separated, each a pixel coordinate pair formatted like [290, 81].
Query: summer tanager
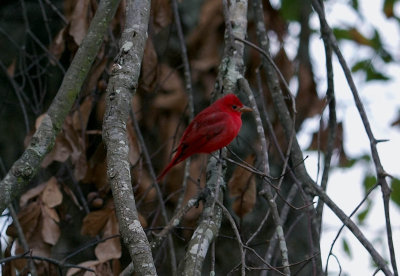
[212, 129]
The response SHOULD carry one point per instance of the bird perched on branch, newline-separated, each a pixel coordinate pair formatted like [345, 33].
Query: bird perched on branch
[212, 129]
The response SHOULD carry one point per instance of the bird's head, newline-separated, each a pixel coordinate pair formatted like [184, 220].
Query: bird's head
[232, 103]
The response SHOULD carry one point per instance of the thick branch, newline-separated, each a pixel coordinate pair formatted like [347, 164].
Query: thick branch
[124, 80]
[209, 224]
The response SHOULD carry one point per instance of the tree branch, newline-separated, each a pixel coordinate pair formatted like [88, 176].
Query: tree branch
[25, 168]
[380, 172]
[266, 187]
[123, 82]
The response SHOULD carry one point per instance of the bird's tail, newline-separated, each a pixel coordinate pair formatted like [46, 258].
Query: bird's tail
[177, 159]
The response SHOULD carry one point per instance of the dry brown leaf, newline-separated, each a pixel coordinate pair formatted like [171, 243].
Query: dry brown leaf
[95, 74]
[39, 120]
[60, 152]
[308, 103]
[161, 14]
[78, 154]
[274, 20]
[97, 169]
[57, 46]
[79, 21]
[80, 117]
[100, 176]
[206, 39]
[50, 229]
[34, 192]
[11, 68]
[118, 21]
[242, 189]
[111, 248]
[51, 195]
[69, 192]
[29, 218]
[94, 222]
[320, 139]
[142, 220]
[176, 98]
[145, 185]
[149, 67]
[51, 212]
[284, 64]
[87, 264]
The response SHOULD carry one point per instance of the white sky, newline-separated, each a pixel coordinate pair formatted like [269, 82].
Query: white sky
[382, 102]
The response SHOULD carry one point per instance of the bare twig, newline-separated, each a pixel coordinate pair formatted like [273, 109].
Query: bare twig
[266, 187]
[332, 126]
[189, 90]
[341, 228]
[156, 187]
[22, 239]
[175, 220]
[59, 264]
[380, 172]
[237, 234]
[277, 71]
[88, 245]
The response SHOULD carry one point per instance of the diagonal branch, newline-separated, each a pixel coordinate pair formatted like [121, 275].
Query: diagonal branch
[380, 172]
[25, 168]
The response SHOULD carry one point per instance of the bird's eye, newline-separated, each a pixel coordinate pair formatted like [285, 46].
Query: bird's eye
[234, 106]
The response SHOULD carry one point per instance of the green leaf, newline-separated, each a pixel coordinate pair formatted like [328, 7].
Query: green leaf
[291, 10]
[350, 163]
[354, 4]
[388, 8]
[366, 157]
[377, 45]
[361, 216]
[346, 247]
[395, 195]
[341, 34]
[369, 182]
[372, 74]
[361, 65]
[370, 71]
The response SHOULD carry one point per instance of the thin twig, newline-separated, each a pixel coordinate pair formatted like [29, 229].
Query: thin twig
[189, 90]
[266, 187]
[60, 264]
[271, 61]
[22, 239]
[150, 168]
[237, 234]
[380, 172]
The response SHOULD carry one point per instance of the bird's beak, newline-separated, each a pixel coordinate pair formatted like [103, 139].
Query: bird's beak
[245, 109]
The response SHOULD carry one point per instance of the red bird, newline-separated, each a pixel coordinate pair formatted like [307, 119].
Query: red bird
[212, 129]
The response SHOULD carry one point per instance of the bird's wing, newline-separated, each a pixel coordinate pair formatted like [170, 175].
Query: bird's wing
[206, 132]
